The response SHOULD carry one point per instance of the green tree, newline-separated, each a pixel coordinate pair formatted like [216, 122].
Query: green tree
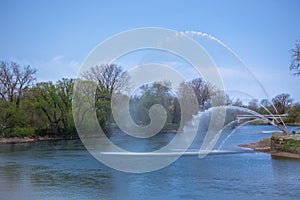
[294, 114]
[65, 94]
[54, 103]
[151, 94]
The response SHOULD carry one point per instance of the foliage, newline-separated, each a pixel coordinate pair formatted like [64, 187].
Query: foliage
[28, 109]
[156, 93]
[292, 143]
[53, 103]
[294, 114]
[195, 92]
[45, 108]
[23, 131]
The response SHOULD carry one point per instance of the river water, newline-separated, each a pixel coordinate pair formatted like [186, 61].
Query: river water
[65, 170]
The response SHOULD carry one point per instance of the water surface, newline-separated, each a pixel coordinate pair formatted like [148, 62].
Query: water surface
[65, 170]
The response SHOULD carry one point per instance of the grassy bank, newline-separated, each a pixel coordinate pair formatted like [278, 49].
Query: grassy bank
[279, 146]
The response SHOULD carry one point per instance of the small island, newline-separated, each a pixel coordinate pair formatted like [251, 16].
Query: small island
[278, 146]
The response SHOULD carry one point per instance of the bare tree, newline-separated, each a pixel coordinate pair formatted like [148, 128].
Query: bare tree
[202, 91]
[265, 103]
[14, 80]
[237, 102]
[295, 58]
[109, 78]
[220, 98]
[253, 104]
[184, 107]
[282, 103]
[265, 106]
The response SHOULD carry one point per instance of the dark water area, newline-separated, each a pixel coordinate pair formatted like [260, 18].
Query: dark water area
[65, 170]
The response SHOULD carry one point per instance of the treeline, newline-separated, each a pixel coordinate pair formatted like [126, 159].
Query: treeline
[205, 94]
[280, 104]
[29, 108]
[160, 93]
[45, 108]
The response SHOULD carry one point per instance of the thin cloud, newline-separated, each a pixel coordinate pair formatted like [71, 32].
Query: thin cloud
[53, 69]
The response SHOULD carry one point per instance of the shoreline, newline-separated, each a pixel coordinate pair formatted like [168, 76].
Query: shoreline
[264, 146]
[17, 140]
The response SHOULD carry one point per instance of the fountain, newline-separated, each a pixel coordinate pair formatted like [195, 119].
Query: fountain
[201, 55]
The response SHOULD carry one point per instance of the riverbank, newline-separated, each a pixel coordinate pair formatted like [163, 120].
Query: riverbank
[15, 140]
[271, 146]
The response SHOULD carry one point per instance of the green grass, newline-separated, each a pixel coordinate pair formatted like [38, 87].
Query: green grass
[292, 143]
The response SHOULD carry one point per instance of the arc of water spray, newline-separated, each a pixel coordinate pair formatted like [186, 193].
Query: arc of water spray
[260, 116]
[268, 111]
[234, 130]
[240, 60]
[227, 125]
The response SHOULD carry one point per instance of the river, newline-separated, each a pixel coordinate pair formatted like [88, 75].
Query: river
[65, 170]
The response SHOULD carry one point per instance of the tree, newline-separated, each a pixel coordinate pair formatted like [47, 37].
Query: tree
[237, 102]
[65, 94]
[202, 91]
[294, 114]
[265, 107]
[151, 94]
[253, 105]
[282, 103]
[220, 98]
[15, 81]
[184, 109]
[109, 78]
[54, 102]
[265, 103]
[295, 58]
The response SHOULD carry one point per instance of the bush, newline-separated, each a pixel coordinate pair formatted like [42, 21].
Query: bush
[170, 126]
[294, 115]
[23, 131]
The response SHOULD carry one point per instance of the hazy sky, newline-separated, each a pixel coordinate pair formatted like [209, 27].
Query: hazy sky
[56, 36]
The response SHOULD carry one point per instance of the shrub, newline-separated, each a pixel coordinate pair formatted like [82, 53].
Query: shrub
[23, 131]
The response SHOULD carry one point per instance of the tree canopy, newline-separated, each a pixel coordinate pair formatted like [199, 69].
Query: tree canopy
[30, 108]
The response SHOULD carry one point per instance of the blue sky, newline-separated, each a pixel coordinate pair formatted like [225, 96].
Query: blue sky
[56, 36]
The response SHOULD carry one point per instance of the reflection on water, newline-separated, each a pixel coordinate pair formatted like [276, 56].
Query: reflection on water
[65, 170]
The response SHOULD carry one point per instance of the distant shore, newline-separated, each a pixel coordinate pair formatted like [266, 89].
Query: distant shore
[15, 140]
[265, 147]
